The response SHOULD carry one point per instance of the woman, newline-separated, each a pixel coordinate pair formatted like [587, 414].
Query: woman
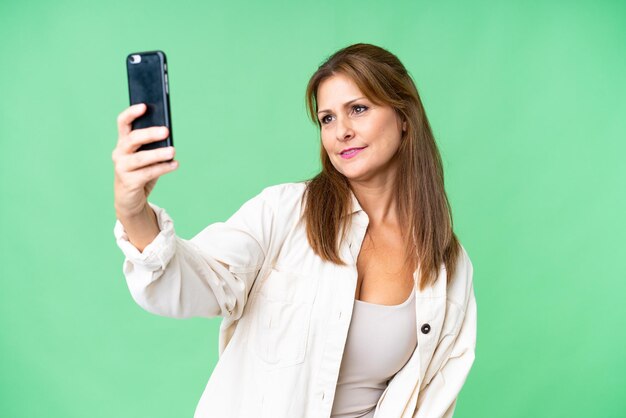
[348, 295]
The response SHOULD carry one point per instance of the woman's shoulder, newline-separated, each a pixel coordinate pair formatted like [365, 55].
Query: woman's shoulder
[284, 196]
[285, 190]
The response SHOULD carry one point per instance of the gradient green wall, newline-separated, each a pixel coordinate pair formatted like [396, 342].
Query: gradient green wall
[526, 100]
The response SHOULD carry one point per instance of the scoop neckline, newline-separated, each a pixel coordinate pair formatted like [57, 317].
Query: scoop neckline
[406, 302]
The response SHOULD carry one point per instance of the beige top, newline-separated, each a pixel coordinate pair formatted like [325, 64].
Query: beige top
[381, 339]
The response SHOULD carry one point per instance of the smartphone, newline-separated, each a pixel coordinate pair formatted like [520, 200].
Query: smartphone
[148, 83]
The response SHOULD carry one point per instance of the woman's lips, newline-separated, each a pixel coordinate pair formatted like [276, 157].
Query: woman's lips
[351, 153]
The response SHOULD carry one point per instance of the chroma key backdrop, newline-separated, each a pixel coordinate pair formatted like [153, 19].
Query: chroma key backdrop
[527, 100]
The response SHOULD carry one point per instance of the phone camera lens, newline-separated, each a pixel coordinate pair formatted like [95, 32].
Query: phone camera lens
[135, 59]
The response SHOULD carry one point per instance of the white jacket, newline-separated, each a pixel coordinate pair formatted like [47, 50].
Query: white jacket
[287, 313]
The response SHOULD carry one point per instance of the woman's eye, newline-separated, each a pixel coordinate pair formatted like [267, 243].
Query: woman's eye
[359, 108]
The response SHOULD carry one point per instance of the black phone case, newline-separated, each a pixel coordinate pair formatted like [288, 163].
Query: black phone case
[148, 83]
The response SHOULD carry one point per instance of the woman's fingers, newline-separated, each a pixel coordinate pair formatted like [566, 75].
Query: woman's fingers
[142, 176]
[138, 137]
[125, 119]
[129, 144]
[129, 139]
[137, 172]
[142, 159]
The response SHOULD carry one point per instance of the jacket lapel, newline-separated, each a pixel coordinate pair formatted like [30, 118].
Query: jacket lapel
[400, 397]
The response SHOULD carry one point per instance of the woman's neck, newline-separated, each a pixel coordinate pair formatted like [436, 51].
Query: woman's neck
[378, 199]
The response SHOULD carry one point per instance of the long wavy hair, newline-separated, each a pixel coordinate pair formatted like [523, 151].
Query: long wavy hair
[424, 210]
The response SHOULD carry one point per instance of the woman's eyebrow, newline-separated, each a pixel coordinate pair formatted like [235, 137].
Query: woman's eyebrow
[344, 105]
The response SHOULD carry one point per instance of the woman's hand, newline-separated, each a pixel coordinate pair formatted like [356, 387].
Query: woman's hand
[136, 173]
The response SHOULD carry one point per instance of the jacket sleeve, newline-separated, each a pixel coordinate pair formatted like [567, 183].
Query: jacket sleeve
[209, 275]
[438, 398]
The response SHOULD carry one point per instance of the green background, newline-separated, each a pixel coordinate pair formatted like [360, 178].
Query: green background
[526, 100]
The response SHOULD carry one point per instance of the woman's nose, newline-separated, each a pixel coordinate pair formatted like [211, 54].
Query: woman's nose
[344, 129]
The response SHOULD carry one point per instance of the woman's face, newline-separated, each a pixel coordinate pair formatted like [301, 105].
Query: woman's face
[361, 138]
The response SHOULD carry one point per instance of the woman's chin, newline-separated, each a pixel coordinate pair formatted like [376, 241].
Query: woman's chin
[350, 172]
[361, 174]
[357, 175]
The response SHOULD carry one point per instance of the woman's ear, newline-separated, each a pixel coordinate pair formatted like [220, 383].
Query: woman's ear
[404, 126]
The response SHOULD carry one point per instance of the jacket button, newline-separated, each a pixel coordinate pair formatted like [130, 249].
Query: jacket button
[425, 329]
